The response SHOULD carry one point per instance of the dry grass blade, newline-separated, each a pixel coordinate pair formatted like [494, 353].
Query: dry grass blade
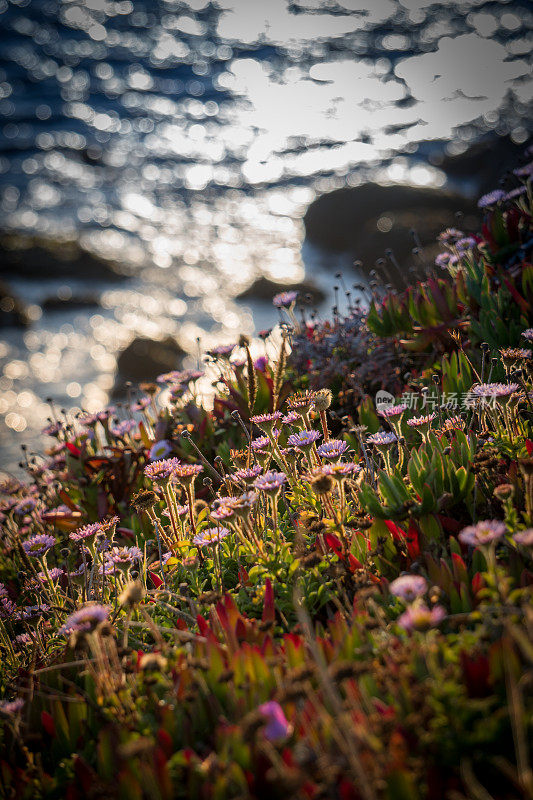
[251, 381]
[278, 377]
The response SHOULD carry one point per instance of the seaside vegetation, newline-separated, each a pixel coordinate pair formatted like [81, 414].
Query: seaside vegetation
[299, 592]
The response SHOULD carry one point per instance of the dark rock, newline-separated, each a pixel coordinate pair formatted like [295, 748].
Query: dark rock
[484, 163]
[92, 154]
[12, 310]
[369, 219]
[265, 289]
[55, 303]
[37, 257]
[144, 359]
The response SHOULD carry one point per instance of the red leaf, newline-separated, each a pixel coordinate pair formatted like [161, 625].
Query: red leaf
[529, 447]
[202, 625]
[243, 577]
[519, 300]
[73, 450]
[476, 672]
[165, 742]
[48, 723]
[354, 563]
[84, 774]
[477, 582]
[67, 501]
[157, 581]
[413, 543]
[269, 613]
[335, 543]
[450, 524]
[240, 630]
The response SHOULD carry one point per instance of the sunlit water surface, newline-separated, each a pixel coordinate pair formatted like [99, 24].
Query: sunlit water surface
[187, 139]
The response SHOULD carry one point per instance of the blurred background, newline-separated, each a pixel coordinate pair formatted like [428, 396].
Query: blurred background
[166, 167]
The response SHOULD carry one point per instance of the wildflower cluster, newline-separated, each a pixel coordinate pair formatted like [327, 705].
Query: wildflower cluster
[301, 592]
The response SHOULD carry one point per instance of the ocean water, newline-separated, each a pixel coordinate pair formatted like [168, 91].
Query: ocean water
[186, 140]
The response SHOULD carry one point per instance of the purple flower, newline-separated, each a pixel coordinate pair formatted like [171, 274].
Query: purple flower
[24, 506]
[247, 475]
[76, 574]
[104, 415]
[513, 354]
[524, 538]
[277, 725]
[284, 299]
[303, 440]
[482, 533]
[87, 534]
[221, 351]
[210, 536]
[222, 512]
[422, 421]
[524, 172]
[341, 471]
[160, 450]
[267, 421]
[37, 546]
[260, 363]
[122, 428]
[270, 482]
[467, 243]
[260, 442]
[85, 618]
[161, 470]
[54, 574]
[501, 392]
[141, 404]
[491, 199]
[450, 235]
[181, 511]
[333, 449]
[174, 376]
[29, 612]
[419, 617]
[53, 429]
[11, 707]
[242, 505]
[390, 412]
[123, 557]
[514, 193]
[408, 587]
[291, 418]
[7, 607]
[443, 260]
[186, 473]
[382, 439]
[528, 334]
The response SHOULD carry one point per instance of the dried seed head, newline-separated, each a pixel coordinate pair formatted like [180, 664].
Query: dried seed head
[199, 506]
[526, 466]
[322, 484]
[239, 458]
[152, 662]
[149, 388]
[132, 594]
[504, 491]
[105, 628]
[143, 500]
[323, 399]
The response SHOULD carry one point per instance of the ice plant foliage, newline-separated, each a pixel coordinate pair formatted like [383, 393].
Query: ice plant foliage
[273, 596]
